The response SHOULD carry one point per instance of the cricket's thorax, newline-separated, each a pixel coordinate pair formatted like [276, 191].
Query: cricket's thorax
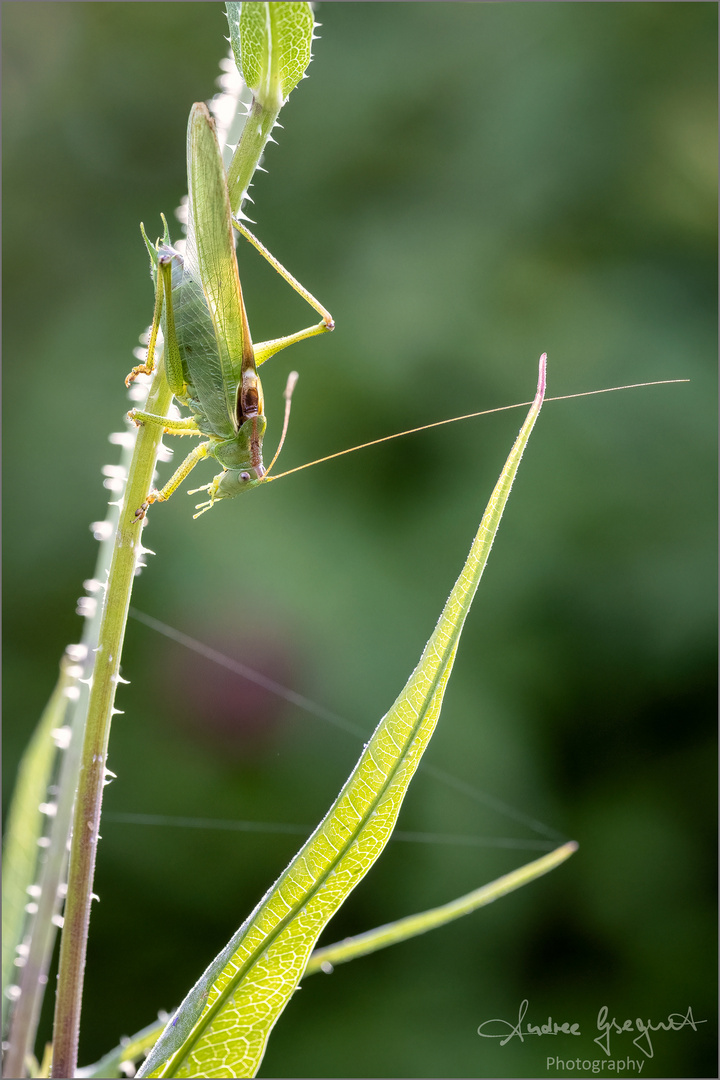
[243, 450]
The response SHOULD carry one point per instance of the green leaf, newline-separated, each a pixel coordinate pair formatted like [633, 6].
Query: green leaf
[110, 1066]
[222, 1027]
[25, 826]
[271, 43]
[341, 952]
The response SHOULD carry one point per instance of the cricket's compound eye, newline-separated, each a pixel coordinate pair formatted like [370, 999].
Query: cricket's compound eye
[245, 476]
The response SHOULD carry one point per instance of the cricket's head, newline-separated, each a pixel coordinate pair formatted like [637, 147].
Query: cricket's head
[234, 482]
[241, 459]
[228, 484]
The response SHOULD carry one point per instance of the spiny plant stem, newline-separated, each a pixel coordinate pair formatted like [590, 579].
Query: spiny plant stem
[53, 867]
[88, 802]
[255, 134]
[86, 820]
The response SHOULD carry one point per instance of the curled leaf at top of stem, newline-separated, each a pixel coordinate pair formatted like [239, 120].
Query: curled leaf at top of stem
[271, 43]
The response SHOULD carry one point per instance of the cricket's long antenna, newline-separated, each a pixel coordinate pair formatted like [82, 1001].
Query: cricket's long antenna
[289, 388]
[466, 416]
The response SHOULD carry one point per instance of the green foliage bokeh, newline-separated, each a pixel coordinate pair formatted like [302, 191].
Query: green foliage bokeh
[464, 186]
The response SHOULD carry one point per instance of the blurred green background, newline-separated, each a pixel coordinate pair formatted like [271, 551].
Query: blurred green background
[464, 185]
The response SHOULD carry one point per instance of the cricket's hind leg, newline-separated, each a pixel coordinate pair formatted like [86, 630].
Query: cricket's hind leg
[266, 349]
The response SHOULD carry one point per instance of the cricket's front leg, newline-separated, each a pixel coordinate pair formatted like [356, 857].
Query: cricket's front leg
[198, 454]
[173, 361]
[149, 366]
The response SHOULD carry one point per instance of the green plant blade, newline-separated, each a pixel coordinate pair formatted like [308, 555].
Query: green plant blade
[271, 44]
[25, 826]
[222, 1027]
[341, 952]
[110, 1066]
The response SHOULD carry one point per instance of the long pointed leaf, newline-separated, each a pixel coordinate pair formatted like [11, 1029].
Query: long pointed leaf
[222, 1027]
[341, 952]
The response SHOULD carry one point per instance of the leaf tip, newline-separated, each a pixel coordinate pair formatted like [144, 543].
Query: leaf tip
[542, 379]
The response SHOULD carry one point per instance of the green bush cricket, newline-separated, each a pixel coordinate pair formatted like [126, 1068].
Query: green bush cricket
[210, 362]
